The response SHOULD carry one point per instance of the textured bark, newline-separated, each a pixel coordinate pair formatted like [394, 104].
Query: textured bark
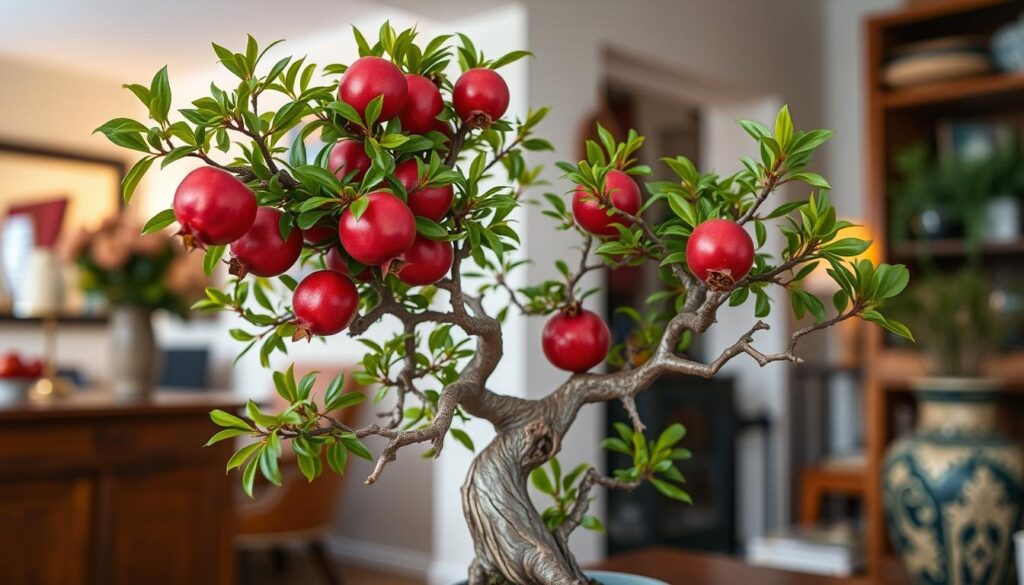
[511, 540]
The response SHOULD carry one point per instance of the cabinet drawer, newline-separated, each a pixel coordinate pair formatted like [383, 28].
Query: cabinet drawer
[137, 438]
[34, 444]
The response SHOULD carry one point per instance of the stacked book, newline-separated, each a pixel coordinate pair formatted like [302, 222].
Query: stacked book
[825, 550]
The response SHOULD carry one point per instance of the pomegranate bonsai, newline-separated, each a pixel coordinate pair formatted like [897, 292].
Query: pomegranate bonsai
[450, 341]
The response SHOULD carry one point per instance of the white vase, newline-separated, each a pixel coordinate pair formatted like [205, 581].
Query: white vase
[1002, 219]
[132, 352]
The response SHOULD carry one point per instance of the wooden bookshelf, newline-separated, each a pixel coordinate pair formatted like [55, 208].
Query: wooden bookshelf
[896, 118]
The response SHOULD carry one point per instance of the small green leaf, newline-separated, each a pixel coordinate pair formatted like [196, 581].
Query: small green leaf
[133, 176]
[159, 221]
[462, 437]
[358, 207]
[226, 434]
[225, 419]
[212, 257]
[241, 455]
[671, 491]
[249, 475]
[540, 480]
[592, 523]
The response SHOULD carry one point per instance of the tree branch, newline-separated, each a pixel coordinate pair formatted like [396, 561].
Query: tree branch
[582, 503]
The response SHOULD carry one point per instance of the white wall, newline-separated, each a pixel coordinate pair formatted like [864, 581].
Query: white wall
[761, 48]
[48, 107]
[844, 48]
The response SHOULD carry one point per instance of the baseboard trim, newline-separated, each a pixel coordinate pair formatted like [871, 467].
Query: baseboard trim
[412, 563]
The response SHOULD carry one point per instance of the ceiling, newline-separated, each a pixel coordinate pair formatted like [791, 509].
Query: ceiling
[130, 39]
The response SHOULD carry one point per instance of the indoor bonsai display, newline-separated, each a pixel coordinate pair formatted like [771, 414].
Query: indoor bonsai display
[397, 208]
[953, 490]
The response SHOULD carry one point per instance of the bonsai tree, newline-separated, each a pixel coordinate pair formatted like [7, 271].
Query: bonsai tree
[407, 214]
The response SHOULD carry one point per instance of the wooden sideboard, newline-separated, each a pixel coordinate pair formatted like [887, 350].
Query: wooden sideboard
[95, 491]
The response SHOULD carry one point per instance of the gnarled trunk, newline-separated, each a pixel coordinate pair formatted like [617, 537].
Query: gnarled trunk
[511, 540]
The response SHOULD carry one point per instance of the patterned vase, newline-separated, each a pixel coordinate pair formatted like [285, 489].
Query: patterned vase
[954, 491]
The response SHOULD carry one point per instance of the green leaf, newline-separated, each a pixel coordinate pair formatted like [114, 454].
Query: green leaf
[225, 419]
[249, 475]
[309, 466]
[269, 466]
[812, 179]
[847, 247]
[252, 410]
[890, 280]
[159, 221]
[160, 103]
[540, 480]
[337, 457]
[617, 445]
[462, 437]
[670, 436]
[358, 207]
[430, 228]
[226, 434]
[592, 523]
[783, 127]
[356, 447]
[133, 176]
[840, 300]
[671, 491]
[212, 257]
[241, 455]
[893, 326]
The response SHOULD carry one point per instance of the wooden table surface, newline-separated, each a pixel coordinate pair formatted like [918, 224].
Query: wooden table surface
[678, 567]
[93, 403]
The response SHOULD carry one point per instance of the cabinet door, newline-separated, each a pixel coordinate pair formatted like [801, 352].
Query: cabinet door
[44, 531]
[170, 526]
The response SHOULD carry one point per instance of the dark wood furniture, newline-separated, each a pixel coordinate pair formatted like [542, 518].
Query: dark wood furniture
[93, 491]
[896, 118]
[677, 567]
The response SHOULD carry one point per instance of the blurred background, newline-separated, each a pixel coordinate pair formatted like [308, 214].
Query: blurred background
[927, 101]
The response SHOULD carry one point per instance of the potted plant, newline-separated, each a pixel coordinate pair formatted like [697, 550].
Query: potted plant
[393, 215]
[1003, 177]
[957, 477]
[136, 275]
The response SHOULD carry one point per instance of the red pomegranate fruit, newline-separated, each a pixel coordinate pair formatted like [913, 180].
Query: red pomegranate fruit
[11, 366]
[423, 105]
[720, 253]
[369, 77]
[575, 340]
[384, 232]
[592, 215]
[426, 262]
[33, 369]
[429, 202]
[336, 261]
[318, 235]
[213, 207]
[262, 251]
[480, 97]
[324, 303]
[346, 156]
[407, 173]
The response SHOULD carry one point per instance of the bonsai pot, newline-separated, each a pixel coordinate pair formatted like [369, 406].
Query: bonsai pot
[610, 578]
[953, 492]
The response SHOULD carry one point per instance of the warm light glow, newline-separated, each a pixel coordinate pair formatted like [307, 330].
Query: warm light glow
[820, 282]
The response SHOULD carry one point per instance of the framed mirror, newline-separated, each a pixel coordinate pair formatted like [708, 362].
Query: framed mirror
[46, 197]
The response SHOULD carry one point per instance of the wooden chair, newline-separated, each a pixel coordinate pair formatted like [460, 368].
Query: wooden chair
[298, 513]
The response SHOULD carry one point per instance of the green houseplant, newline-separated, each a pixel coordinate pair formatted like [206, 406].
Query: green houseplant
[423, 137]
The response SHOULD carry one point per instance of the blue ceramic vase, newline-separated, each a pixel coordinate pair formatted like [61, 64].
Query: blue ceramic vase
[953, 492]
